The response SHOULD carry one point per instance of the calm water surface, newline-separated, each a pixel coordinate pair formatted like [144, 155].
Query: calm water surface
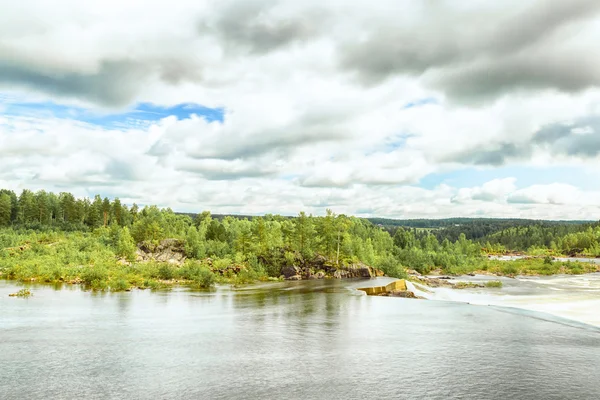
[301, 340]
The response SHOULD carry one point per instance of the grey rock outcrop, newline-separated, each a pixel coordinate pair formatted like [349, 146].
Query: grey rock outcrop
[171, 251]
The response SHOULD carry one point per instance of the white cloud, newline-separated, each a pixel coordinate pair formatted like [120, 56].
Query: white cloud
[316, 103]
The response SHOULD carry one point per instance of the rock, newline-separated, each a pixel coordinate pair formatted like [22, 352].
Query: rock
[171, 251]
[432, 282]
[318, 275]
[407, 294]
[289, 271]
[294, 278]
[318, 261]
[340, 273]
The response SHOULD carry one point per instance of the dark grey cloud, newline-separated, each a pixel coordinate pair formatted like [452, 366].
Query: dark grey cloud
[114, 84]
[493, 77]
[491, 155]
[260, 28]
[578, 139]
[480, 52]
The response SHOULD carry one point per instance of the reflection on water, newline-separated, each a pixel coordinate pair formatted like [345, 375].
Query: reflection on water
[297, 340]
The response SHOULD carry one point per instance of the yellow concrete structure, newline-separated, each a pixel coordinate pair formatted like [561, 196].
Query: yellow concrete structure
[400, 284]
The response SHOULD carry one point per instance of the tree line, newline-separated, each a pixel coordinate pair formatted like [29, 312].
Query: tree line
[267, 243]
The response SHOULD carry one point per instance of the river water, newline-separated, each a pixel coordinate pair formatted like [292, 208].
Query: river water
[576, 297]
[293, 340]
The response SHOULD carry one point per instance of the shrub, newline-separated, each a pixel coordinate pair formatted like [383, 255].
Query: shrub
[509, 268]
[391, 267]
[95, 277]
[119, 284]
[204, 279]
[166, 272]
[201, 276]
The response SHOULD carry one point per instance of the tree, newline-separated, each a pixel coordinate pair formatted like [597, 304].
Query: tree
[43, 207]
[5, 209]
[342, 224]
[123, 242]
[94, 213]
[117, 212]
[327, 233]
[304, 233]
[28, 209]
[105, 211]
[14, 200]
[194, 245]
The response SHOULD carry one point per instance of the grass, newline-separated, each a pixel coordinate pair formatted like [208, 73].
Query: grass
[493, 284]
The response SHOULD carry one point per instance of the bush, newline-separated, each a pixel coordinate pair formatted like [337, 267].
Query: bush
[119, 285]
[95, 277]
[166, 272]
[391, 267]
[201, 276]
[509, 268]
[204, 279]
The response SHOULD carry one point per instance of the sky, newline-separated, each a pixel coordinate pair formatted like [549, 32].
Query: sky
[394, 108]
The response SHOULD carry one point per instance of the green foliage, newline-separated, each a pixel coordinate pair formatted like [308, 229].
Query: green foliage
[59, 238]
[200, 275]
[166, 272]
[95, 276]
[391, 267]
[22, 293]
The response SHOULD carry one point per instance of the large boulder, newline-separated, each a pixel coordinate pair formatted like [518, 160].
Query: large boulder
[357, 270]
[289, 271]
[171, 251]
[407, 294]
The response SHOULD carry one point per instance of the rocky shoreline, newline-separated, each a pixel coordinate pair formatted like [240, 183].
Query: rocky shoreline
[172, 251]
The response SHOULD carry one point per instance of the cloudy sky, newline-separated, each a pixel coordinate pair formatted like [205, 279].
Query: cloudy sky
[402, 109]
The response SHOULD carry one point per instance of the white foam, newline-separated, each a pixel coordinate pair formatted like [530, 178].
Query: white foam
[573, 297]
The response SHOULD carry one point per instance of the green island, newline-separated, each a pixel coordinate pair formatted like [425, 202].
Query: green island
[106, 245]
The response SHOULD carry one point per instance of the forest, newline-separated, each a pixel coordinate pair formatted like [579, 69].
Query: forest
[54, 238]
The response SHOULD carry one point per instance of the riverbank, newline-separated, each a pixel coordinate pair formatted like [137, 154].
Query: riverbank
[524, 265]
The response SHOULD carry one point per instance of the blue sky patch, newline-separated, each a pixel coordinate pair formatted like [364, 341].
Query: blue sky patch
[420, 103]
[140, 116]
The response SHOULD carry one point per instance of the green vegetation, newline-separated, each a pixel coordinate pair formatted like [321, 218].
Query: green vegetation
[96, 242]
[22, 293]
[466, 285]
[493, 284]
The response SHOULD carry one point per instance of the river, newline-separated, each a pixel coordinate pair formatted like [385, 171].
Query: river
[576, 297]
[292, 340]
